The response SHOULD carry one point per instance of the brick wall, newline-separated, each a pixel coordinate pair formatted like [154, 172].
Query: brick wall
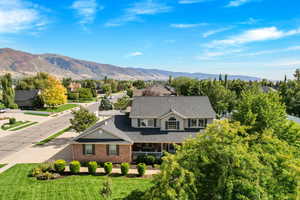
[101, 155]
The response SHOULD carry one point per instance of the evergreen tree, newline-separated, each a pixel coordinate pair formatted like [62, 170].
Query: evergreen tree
[8, 94]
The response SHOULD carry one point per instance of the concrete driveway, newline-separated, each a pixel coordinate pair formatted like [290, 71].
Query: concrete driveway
[19, 140]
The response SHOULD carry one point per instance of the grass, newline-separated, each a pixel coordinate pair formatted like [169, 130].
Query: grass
[55, 135]
[8, 126]
[2, 165]
[21, 127]
[14, 184]
[37, 114]
[94, 99]
[60, 108]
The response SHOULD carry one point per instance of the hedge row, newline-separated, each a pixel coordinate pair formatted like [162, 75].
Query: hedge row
[59, 167]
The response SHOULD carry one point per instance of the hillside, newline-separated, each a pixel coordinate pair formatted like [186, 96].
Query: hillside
[21, 64]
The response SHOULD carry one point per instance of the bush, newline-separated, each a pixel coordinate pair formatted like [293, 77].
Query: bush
[45, 176]
[140, 159]
[150, 160]
[60, 166]
[73, 95]
[74, 167]
[105, 104]
[125, 168]
[12, 120]
[141, 167]
[35, 172]
[108, 167]
[92, 167]
[85, 93]
[47, 167]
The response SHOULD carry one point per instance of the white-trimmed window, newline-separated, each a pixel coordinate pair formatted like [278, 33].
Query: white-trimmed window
[146, 123]
[88, 149]
[193, 123]
[202, 122]
[112, 149]
[172, 124]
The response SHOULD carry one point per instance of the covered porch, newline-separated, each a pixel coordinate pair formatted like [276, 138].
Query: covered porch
[155, 149]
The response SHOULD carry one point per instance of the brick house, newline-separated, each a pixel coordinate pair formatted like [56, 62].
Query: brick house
[152, 127]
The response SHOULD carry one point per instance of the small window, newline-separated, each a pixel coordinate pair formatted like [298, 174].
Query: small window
[147, 123]
[193, 122]
[172, 124]
[88, 149]
[202, 122]
[112, 150]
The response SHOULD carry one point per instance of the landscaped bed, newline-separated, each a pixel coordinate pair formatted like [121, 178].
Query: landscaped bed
[2, 165]
[37, 114]
[15, 184]
[24, 126]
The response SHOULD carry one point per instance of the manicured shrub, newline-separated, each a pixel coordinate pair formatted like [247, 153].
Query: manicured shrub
[108, 167]
[125, 168]
[46, 167]
[45, 176]
[35, 172]
[140, 159]
[92, 167]
[74, 167]
[150, 160]
[60, 166]
[141, 167]
[12, 120]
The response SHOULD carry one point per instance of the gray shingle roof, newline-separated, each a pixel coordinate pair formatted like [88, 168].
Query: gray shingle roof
[24, 95]
[120, 126]
[102, 133]
[188, 106]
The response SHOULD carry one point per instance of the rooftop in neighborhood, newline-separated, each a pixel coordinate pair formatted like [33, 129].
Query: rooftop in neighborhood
[117, 129]
[157, 106]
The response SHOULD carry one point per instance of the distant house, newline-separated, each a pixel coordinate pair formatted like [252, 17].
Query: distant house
[74, 86]
[154, 124]
[155, 90]
[26, 98]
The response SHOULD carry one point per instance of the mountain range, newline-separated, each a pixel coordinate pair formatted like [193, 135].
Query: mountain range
[21, 64]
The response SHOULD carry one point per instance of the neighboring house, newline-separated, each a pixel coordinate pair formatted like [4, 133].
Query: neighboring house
[74, 86]
[155, 90]
[152, 127]
[26, 98]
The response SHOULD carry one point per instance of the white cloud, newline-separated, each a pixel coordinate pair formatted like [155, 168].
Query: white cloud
[17, 15]
[145, 7]
[273, 51]
[237, 3]
[250, 21]
[134, 54]
[215, 31]
[192, 1]
[86, 10]
[187, 25]
[254, 35]
[212, 55]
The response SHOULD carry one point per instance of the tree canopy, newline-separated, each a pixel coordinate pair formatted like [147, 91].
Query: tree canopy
[82, 119]
[55, 93]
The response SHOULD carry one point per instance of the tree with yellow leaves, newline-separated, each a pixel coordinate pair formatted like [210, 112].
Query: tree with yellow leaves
[55, 93]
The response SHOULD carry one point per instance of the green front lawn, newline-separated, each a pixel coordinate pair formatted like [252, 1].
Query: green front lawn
[60, 108]
[2, 165]
[14, 184]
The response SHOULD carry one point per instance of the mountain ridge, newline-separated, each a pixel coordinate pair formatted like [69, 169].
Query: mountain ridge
[20, 64]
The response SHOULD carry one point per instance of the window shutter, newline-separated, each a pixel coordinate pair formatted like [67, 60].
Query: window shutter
[177, 124]
[139, 122]
[94, 152]
[189, 123]
[205, 121]
[107, 149]
[83, 149]
[118, 149]
[154, 122]
[166, 125]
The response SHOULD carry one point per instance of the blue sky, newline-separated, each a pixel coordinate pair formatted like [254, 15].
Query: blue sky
[249, 37]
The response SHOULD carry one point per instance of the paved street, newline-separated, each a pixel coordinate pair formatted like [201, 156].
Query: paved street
[19, 140]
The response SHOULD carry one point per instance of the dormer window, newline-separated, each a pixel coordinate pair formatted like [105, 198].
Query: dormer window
[172, 124]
